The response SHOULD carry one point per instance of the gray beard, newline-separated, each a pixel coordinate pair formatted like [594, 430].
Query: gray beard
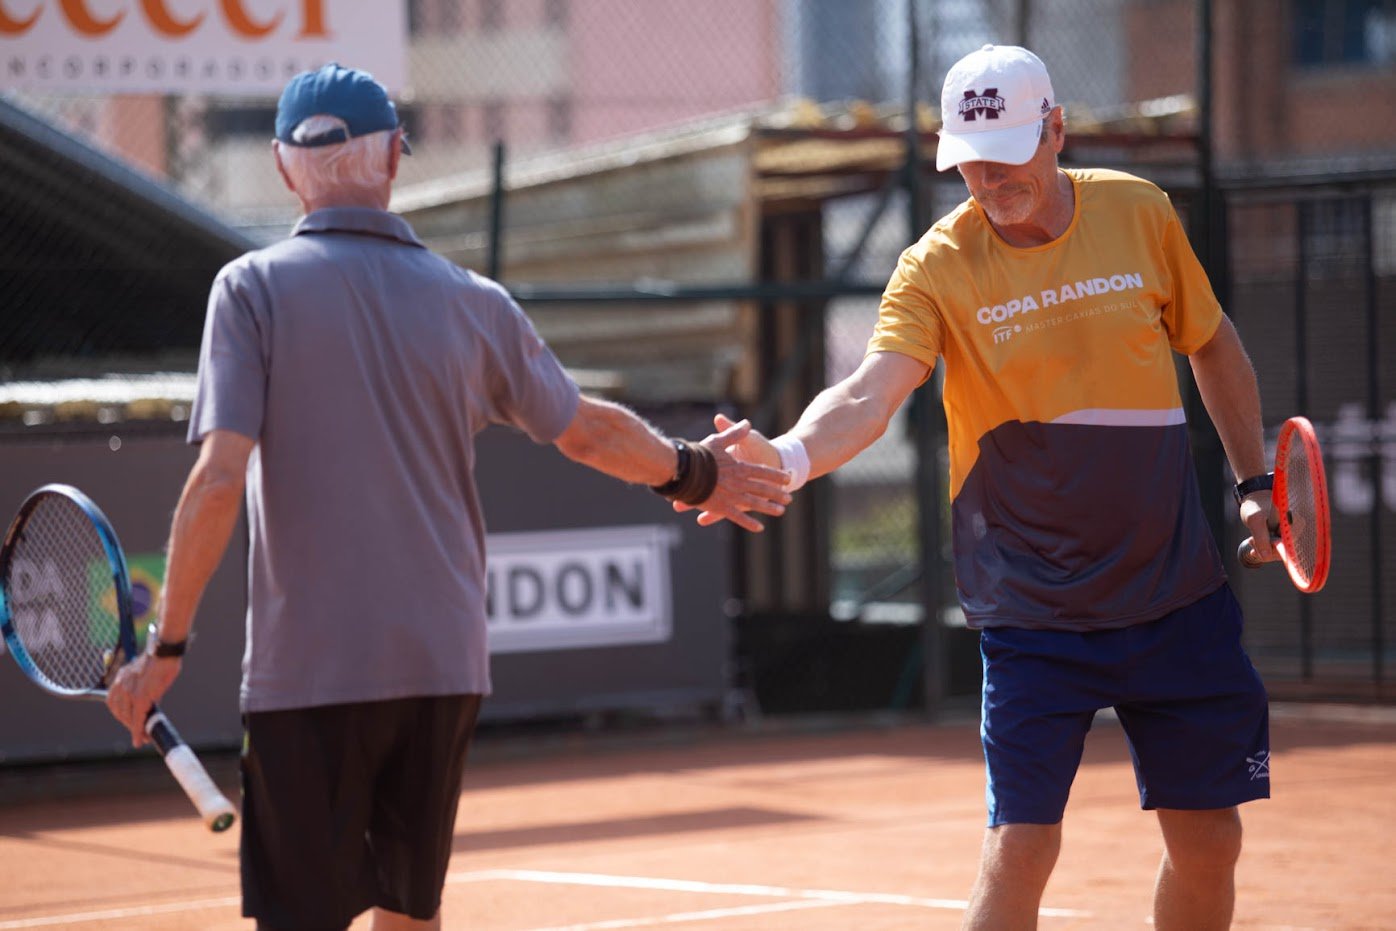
[1018, 211]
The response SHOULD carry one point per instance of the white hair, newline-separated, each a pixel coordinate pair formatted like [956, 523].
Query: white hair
[358, 165]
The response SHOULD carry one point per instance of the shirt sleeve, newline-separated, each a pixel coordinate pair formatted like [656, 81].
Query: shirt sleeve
[527, 387]
[908, 321]
[1193, 313]
[230, 391]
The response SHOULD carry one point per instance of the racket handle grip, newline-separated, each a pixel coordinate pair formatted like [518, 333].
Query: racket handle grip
[218, 813]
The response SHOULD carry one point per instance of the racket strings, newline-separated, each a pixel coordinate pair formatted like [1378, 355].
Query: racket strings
[62, 596]
[1301, 509]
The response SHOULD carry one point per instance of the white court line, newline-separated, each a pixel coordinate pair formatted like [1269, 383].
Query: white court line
[681, 917]
[804, 898]
[135, 911]
[832, 896]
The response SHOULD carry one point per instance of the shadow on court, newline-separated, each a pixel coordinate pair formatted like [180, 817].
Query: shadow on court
[591, 755]
[852, 825]
[720, 819]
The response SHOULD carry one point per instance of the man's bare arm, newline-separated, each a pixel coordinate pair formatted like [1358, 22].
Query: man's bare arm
[846, 418]
[1227, 383]
[203, 524]
[842, 420]
[615, 440]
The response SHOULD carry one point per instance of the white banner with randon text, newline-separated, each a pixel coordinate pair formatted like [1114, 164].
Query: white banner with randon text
[572, 589]
[224, 47]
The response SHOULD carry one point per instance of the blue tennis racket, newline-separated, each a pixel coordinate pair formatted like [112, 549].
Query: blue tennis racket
[65, 612]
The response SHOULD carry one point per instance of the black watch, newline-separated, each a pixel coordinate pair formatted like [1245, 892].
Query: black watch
[1251, 485]
[165, 649]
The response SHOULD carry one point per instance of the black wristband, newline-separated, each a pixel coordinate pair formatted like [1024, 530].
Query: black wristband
[702, 477]
[681, 471]
[1250, 486]
[696, 475]
[165, 649]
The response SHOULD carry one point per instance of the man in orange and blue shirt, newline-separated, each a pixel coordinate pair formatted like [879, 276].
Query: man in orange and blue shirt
[1055, 299]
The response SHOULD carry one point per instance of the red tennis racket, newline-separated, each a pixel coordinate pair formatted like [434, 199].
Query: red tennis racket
[1301, 502]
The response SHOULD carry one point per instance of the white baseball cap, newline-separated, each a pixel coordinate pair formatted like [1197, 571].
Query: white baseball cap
[992, 106]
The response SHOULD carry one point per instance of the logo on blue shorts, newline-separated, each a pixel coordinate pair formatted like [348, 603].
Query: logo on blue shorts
[1259, 765]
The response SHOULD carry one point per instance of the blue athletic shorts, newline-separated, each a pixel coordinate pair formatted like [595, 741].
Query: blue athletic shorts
[1193, 708]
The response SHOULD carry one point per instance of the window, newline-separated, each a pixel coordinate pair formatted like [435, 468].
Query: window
[450, 13]
[491, 15]
[1335, 231]
[450, 123]
[1344, 32]
[241, 121]
[440, 124]
[560, 119]
[494, 121]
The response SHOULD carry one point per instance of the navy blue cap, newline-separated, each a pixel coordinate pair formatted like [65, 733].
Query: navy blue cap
[347, 93]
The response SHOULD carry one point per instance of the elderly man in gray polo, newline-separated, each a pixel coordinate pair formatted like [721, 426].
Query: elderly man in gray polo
[343, 376]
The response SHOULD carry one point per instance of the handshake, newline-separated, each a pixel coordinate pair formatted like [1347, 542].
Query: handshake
[734, 472]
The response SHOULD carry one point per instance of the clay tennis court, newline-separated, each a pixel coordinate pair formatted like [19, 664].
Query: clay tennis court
[871, 827]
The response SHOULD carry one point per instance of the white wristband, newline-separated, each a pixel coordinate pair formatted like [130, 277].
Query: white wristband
[793, 459]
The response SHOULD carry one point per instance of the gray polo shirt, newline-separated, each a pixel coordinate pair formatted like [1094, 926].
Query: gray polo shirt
[363, 365]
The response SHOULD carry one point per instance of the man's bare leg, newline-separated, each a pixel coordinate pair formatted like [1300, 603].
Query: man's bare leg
[1196, 888]
[384, 920]
[1014, 867]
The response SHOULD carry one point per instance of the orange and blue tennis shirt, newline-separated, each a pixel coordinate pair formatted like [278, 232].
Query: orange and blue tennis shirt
[1074, 502]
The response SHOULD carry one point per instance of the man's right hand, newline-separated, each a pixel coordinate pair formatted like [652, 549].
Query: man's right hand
[754, 448]
[845, 418]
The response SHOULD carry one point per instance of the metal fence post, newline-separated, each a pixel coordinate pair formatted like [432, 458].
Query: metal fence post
[1301, 400]
[924, 415]
[1205, 229]
[1374, 415]
[496, 253]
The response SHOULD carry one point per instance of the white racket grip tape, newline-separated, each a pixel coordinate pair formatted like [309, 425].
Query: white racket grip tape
[218, 813]
[794, 458]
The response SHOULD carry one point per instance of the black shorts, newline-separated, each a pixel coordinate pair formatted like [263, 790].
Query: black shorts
[350, 807]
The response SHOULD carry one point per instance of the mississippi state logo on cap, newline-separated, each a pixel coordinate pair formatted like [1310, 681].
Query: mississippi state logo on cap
[988, 104]
[992, 107]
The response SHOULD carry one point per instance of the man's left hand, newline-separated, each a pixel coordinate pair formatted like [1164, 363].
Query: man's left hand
[1258, 514]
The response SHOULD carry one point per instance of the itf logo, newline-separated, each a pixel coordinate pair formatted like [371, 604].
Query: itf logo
[988, 104]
